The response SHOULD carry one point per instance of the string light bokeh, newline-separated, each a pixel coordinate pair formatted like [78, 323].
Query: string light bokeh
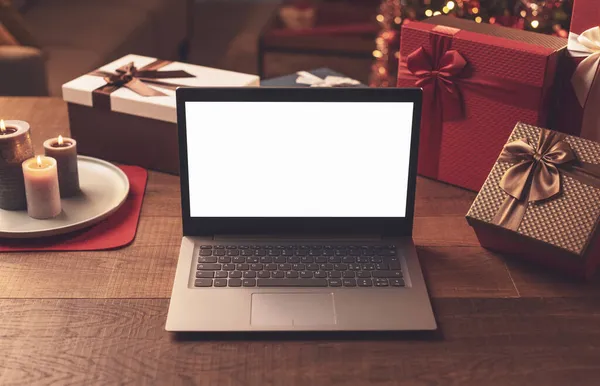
[548, 16]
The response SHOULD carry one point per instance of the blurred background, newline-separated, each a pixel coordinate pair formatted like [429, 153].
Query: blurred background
[45, 43]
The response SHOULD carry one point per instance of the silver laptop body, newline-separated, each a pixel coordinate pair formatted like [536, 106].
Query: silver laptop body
[298, 211]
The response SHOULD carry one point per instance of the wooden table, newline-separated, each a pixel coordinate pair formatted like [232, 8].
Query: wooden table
[98, 317]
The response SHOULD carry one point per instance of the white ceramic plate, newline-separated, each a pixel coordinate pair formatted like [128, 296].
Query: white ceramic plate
[104, 189]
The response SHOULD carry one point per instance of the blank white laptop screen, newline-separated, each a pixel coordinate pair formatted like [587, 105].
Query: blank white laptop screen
[298, 159]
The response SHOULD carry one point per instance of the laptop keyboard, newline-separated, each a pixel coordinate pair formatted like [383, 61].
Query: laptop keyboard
[283, 266]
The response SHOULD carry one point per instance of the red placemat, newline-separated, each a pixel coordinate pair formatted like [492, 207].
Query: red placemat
[116, 231]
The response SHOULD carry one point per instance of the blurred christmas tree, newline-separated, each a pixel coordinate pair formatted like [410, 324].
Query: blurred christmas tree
[547, 16]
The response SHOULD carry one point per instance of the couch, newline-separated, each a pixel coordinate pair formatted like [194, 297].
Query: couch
[77, 36]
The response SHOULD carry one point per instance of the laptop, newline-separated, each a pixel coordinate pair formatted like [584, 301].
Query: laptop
[298, 211]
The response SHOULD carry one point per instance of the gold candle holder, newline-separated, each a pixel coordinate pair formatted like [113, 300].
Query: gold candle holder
[15, 147]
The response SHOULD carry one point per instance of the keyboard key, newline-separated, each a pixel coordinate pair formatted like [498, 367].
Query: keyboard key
[335, 283]
[256, 267]
[340, 267]
[364, 282]
[298, 267]
[306, 274]
[291, 274]
[376, 259]
[368, 267]
[292, 283]
[284, 267]
[224, 259]
[363, 274]
[266, 259]
[235, 282]
[205, 274]
[220, 252]
[362, 259]
[280, 260]
[387, 274]
[326, 267]
[381, 282]
[264, 274]
[207, 259]
[233, 252]
[247, 252]
[293, 259]
[219, 247]
[243, 247]
[328, 252]
[320, 274]
[334, 274]
[301, 252]
[354, 267]
[252, 259]
[239, 259]
[321, 259]
[206, 247]
[249, 274]
[348, 274]
[231, 247]
[349, 282]
[314, 252]
[274, 252]
[235, 275]
[382, 267]
[203, 283]
[278, 274]
[287, 252]
[208, 267]
[220, 282]
[260, 252]
[242, 267]
[228, 267]
[312, 267]
[397, 283]
[206, 252]
[249, 282]
[395, 266]
[271, 267]
[308, 259]
[349, 259]
[354, 252]
[334, 259]
[221, 274]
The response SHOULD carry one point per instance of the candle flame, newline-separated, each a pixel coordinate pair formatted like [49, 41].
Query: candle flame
[60, 140]
[39, 161]
[2, 127]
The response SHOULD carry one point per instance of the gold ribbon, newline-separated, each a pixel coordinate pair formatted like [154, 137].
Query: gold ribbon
[535, 174]
[137, 80]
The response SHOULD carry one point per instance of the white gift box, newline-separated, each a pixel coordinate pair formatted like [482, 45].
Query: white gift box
[132, 128]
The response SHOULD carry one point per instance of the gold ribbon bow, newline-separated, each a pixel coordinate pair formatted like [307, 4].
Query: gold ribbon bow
[536, 174]
[585, 79]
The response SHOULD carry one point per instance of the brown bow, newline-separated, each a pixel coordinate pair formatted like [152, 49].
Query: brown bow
[136, 80]
[536, 174]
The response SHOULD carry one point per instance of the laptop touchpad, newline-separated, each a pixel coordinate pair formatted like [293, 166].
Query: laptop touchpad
[292, 309]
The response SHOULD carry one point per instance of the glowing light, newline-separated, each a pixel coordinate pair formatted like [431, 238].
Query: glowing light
[380, 18]
[535, 24]
[39, 161]
[60, 140]
[534, 13]
[492, 20]
[446, 9]
[437, 13]
[2, 127]
[475, 10]
[523, 13]
[377, 54]
[397, 20]
[429, 13]
[478, 19]
[450, 5]
[381, 70]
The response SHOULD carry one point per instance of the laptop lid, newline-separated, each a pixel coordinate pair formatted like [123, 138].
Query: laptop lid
[298, 160]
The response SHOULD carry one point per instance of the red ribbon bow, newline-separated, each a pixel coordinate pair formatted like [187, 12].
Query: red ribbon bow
[436, 72]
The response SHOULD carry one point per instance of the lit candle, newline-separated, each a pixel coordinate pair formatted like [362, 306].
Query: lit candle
[41, 187]
[64, 151]
[15, 147]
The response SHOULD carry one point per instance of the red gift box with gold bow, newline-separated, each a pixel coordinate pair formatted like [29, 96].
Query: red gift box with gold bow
[579, 74]
[541, 201]
[478, 80]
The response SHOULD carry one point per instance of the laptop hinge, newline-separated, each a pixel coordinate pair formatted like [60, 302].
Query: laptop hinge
[298, 237]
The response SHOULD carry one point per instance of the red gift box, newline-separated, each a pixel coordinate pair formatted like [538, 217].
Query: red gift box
[579, 74]
[478, 80]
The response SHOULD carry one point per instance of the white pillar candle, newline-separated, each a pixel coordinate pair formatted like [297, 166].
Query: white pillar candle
[64, 151]
[41, 187]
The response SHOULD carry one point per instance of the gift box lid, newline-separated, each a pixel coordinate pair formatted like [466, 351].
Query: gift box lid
[585, 15]
[568, 219]
[290, 80]
[81, 90]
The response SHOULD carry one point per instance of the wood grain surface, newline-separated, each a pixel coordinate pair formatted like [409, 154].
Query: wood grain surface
[83, 318]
